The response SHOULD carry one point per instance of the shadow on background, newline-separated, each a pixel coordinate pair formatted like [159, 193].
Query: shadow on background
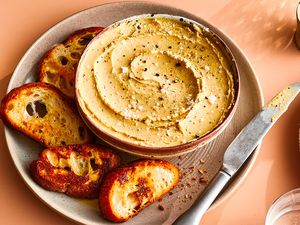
[3, 85]
[250, 16]
[289, 156]
[6, 164]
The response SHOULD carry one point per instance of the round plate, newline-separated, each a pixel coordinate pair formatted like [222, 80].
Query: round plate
[206, 160]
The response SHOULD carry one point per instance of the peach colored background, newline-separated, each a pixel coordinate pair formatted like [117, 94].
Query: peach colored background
[262, 28]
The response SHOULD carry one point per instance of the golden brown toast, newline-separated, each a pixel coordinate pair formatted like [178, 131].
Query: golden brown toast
[58, 65]
[75, 170]
[127, 190]
[46, 115]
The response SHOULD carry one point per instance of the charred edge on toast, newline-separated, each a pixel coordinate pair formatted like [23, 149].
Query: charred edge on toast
[83, 36]
[120, 175]
[64, 179]
[85, 31]
[16, 92]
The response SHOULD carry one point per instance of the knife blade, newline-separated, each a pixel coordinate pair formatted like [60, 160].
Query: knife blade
[239, 150]
[247, 140]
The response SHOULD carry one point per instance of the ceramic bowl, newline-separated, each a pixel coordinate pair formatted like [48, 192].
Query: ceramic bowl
[160, 152]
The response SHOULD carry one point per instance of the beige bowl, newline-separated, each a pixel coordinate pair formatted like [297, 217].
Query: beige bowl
[159, 152]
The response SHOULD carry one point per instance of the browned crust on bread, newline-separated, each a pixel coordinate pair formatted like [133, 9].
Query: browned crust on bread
[63, 76]
[81, 32]
[121, 176]
[16, 92]
[55, 174]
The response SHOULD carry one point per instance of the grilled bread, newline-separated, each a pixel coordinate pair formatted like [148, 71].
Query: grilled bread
[58, 66]
[127, 190]
[76, 170]
[43, 113]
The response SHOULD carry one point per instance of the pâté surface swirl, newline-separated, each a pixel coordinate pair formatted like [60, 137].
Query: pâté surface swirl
[155, 82]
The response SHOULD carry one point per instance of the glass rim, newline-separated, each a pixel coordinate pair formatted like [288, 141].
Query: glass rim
[288, 199]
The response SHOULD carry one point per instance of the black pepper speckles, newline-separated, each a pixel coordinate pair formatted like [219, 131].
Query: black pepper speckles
[178, 64]
[165, 60]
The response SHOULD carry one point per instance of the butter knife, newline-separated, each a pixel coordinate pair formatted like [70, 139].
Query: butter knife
[238, 152]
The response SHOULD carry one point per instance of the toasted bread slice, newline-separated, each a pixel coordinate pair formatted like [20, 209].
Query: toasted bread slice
[58, 66]
[43, 113]
[75, 170]
[127, 190]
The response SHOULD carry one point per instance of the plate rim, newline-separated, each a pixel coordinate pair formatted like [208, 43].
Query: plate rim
[236, 182]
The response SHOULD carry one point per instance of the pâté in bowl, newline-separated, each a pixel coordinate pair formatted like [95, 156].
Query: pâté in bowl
[157, 85]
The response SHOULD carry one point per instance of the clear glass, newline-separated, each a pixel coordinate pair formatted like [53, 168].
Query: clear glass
[285, 210]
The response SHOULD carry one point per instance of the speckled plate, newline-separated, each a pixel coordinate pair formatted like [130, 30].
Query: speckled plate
[208, 160]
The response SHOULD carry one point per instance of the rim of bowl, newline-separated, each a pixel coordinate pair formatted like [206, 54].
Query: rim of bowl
[195, 142]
